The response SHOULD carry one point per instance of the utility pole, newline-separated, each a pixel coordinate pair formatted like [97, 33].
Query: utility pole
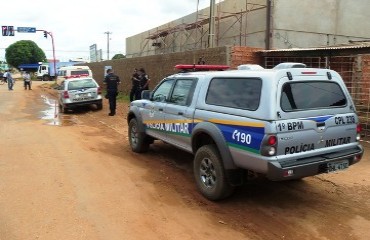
[46, 33]
[268, 24]
[211, 36]
[108, 33]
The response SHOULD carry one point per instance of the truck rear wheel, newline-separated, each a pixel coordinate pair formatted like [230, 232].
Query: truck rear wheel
[210, 174]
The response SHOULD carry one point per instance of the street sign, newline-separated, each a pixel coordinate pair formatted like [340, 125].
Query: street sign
[26, 29]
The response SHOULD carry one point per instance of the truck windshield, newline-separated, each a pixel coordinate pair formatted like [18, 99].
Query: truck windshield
[311, 95]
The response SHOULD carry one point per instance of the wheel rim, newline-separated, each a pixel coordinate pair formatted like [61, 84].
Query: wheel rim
[133, 135]
[208, 173]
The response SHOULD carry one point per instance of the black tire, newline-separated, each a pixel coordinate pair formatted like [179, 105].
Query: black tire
[210, 174]
[64, 109]
[99, 106]
[139, 141]
[46, 78]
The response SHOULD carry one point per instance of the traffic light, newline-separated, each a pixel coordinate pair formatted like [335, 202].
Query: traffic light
[10, 30]
[45, 34]
[4, 30]
[7, 30]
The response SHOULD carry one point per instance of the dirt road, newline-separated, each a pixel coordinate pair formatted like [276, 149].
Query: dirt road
[73, 176]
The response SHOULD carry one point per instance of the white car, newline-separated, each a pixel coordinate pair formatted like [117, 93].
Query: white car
[79, 91]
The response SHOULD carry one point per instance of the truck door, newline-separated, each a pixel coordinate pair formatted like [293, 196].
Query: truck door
[153, 110]
[179, 114]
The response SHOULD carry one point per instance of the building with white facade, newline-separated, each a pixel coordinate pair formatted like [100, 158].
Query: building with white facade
[266, 24]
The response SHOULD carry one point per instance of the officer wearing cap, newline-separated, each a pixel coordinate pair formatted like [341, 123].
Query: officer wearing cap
[112, 81]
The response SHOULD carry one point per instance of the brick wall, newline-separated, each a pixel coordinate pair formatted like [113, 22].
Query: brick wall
[365, 81]
[244, 55]
[159, 66]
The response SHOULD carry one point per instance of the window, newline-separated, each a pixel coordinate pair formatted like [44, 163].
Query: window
[181, 91]
[87, 83]
[61, 73]
[242, 93]
[311, 95]
[162, 93]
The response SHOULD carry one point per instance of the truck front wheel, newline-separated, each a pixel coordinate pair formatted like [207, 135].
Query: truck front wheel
[139, 141]
[46, 78]
[210, 174]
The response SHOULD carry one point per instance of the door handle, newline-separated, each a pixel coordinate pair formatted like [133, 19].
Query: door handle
[160, 109]
[180, 113]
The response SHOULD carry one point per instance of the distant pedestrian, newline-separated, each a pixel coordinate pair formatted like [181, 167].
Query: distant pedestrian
[112, 81]
[27, 81]
[10, 80]
[135, 85]
[5, 75]
[144, 81]
[201, 61]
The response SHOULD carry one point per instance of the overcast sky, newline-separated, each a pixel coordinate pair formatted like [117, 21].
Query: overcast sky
[78, 24]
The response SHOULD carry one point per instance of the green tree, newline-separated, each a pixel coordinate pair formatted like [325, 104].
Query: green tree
[24, 52]
[118, 56]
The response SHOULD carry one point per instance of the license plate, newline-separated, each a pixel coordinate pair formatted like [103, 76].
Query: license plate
[83, 95]
[82, 99]
[336, 166]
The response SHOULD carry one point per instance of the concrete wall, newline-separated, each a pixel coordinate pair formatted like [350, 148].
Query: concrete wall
[307, 23]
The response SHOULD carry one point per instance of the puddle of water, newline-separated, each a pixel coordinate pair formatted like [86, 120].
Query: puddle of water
[53, 116]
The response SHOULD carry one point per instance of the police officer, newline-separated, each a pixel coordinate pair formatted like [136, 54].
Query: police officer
[135, 85]
[111, 81]
[144, 82]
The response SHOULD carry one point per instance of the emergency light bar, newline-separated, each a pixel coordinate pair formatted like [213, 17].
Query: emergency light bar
[77, 76]
[200, 67]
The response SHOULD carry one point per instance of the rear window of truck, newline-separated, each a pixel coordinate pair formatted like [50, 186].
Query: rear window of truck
[298, 96]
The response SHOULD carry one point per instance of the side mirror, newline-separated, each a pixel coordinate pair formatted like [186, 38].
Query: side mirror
[146, 94]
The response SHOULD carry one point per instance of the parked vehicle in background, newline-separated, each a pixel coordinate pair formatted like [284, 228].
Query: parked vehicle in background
[77, 92]
[285, 123]
[74, 71]
[46, 71]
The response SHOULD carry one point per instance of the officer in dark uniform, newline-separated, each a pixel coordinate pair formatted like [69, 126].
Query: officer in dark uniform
[135, 85]
[111, 81]
[144, 82]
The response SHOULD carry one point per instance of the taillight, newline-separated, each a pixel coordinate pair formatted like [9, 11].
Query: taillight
[65, 94]
[269, 145]
[272, 140]
[309, 73]
[358, 130]
[99, 90]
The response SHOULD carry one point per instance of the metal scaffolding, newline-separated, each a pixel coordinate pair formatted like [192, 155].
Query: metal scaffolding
[194, 35]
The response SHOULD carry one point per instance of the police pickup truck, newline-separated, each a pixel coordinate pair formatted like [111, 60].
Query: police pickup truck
[286, 123]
